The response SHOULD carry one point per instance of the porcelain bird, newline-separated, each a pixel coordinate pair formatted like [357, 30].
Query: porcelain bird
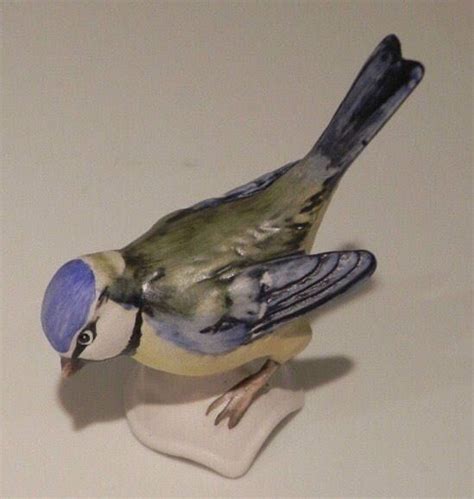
[229, 280]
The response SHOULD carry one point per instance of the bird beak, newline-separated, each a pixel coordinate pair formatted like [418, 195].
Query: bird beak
[70, 366]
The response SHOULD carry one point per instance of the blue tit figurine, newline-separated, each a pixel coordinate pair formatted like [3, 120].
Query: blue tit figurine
[214, 286]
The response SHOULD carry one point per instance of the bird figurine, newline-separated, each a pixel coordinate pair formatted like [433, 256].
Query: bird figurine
[229, 280]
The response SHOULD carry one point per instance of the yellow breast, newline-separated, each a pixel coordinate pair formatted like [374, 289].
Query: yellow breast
[281, 345]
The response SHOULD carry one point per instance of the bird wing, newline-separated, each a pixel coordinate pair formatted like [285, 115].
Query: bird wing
[237, 227]
[304, 283]
[280, 212]
[243, 191]
[263, 296]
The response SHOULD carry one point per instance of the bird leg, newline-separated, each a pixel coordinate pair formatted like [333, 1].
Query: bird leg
[240, 397]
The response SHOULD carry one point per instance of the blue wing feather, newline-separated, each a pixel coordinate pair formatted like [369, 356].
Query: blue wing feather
[334, 274]
[266, 295]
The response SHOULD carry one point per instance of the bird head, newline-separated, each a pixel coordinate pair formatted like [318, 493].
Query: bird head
[80, 319]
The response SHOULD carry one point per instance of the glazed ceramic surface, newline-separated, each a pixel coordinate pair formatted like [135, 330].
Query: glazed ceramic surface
[165, 412]
[212, 287]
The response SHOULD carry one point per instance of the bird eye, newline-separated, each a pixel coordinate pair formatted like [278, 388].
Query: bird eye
[85, 338]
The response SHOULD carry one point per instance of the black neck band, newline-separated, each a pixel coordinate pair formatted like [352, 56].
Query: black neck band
[134, 341]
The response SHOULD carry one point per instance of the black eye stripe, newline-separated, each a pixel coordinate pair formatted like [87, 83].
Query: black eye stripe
[90, 328]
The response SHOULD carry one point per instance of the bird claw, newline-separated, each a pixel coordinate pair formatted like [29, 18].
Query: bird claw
[237, 400]
[240, 397]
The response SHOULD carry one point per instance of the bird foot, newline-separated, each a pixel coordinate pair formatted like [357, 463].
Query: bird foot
[240, 397]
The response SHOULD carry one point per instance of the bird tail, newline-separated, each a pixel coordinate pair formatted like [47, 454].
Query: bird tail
[383, 83]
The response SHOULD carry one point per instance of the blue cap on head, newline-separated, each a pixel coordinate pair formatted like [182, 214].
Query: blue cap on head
[67, 302]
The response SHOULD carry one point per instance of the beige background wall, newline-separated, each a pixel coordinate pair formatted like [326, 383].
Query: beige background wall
[116, 113]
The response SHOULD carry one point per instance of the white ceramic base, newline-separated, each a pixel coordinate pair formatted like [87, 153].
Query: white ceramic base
[168, 414]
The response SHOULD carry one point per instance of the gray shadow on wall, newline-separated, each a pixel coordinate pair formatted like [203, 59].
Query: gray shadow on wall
[95, 394]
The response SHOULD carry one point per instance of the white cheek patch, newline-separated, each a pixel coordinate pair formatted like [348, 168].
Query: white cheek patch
[114, 329]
